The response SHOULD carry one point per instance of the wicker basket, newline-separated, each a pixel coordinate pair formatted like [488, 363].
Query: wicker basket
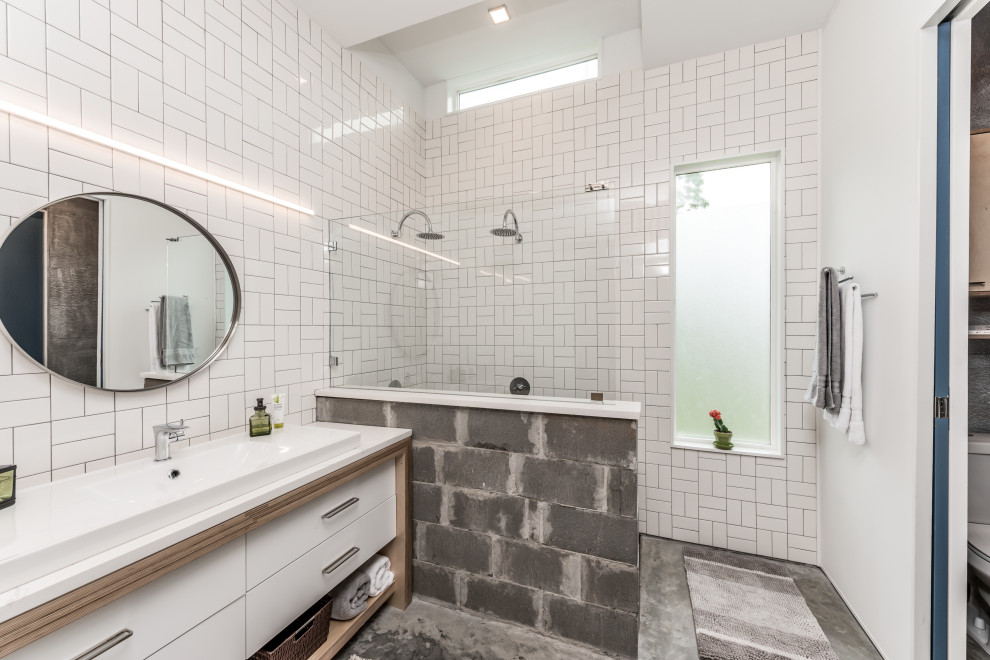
[302, 637]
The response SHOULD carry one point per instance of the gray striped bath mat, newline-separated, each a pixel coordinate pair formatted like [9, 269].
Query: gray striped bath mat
[747, 608]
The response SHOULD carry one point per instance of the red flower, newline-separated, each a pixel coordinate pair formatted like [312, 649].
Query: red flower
[714, 414]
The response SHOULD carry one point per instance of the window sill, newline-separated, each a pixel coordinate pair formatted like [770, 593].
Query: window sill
[764, 451]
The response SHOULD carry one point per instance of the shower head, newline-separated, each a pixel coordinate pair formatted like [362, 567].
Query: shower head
[505, 231]
[428, 235]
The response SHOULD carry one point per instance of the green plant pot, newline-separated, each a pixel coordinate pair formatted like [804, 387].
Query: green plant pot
[723, 440]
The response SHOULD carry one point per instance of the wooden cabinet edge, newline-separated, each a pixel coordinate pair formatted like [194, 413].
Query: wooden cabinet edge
[30, 626]
[399, 551]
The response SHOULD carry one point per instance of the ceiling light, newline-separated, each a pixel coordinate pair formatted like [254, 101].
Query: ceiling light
[499, 14]
[117, 145]
[405, 245]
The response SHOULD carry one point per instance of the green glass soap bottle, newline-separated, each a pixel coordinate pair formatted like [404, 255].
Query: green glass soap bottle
[8, 485]
[260, 422]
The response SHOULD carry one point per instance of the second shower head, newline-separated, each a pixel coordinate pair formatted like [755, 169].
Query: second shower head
[428, 235]
[505, 231]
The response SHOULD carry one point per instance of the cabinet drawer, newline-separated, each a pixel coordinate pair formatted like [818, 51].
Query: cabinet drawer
[155, 614]
[274, 545]
[277, 601]
[221, 637]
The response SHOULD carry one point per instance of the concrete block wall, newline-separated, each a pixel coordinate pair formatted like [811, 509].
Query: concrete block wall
[530, 518]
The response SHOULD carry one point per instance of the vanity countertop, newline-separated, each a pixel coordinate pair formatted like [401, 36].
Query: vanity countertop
[532, 404]
[139, 528]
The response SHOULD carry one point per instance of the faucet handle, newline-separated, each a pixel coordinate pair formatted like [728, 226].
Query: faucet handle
[174, 428]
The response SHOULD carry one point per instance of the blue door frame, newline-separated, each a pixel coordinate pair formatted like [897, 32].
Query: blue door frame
[940, 449]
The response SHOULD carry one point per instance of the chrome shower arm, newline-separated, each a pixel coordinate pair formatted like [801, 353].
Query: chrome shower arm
[505, 223]
[398, 232]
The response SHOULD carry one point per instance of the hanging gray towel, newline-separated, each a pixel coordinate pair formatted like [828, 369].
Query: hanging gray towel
[825, 389]
[175, 340]
[350, 598]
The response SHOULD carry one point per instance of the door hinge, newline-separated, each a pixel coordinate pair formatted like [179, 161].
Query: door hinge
[941, 407]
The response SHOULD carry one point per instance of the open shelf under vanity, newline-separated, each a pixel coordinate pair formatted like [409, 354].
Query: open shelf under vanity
[342, 631]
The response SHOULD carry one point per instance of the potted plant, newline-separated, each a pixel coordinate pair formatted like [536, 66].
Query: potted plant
[723, 436]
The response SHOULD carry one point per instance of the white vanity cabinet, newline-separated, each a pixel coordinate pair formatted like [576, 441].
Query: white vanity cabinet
[303, 555]
[280, 559]
[221, 637]
[274, 603]
[272, 547]
[155, 614]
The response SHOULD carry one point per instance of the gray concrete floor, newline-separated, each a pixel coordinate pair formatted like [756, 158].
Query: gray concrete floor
[426, 631]
[666, 629]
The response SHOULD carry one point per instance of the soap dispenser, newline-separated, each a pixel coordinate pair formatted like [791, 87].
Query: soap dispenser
[260, 422]
[8, 486]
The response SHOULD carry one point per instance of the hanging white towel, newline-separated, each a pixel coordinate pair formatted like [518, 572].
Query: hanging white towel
[857, 429]
[379, 571]
[154, 320]
[849, 418]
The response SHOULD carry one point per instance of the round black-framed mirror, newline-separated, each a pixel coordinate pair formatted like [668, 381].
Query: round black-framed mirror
[116, 291]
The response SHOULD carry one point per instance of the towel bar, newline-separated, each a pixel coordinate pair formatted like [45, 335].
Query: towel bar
[841, 270]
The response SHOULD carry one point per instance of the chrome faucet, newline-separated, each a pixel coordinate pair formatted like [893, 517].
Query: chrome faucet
[165, 435]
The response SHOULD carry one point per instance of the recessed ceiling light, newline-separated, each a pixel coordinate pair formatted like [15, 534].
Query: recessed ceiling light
[499, 14]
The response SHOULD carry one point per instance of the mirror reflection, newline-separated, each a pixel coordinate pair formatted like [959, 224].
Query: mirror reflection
[116, 292]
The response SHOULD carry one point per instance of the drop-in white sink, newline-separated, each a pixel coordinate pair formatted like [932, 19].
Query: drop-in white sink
[85, 515]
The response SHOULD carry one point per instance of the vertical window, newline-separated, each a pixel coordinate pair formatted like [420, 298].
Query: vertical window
[726, 309]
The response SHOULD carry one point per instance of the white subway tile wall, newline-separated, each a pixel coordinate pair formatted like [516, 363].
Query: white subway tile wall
[603, 308]
[255, 92]
[250, 90]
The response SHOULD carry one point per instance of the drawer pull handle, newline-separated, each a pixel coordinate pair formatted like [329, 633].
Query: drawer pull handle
[339, 561]
[338, 509]
[105, 645]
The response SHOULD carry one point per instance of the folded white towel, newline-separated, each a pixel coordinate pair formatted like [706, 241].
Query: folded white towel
[379, 571]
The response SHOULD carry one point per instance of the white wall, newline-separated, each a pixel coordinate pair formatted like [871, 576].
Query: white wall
[392, 72]
[621, 52]
[252, 90]
[877, 221]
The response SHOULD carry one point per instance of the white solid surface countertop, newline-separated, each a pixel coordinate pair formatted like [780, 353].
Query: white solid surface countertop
[533, 404]
[50, 556]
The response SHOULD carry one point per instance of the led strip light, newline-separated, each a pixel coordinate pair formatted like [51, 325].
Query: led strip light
[405, 245]
[64, 127]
